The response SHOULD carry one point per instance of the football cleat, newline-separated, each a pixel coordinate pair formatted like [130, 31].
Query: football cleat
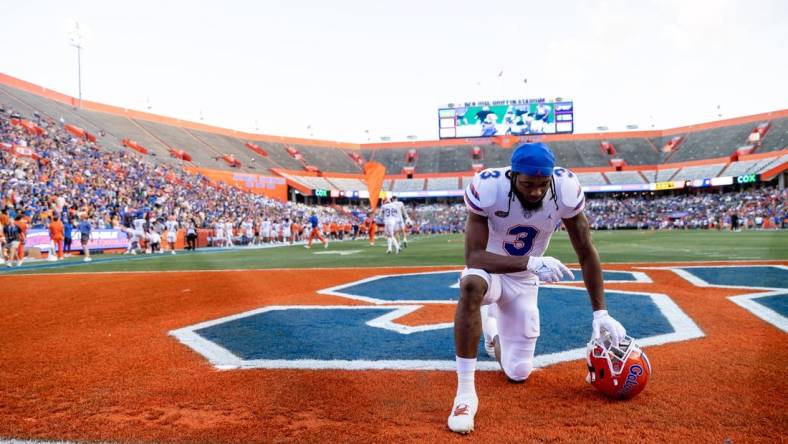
[463, 413]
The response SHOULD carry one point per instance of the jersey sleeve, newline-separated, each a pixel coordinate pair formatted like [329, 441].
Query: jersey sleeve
[480, 194]
[571, 200]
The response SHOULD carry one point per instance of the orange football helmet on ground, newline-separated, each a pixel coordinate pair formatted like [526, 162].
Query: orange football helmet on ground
[619, 372]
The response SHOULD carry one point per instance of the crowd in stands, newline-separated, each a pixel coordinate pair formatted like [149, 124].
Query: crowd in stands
[60, 174]
[87, 187]
[753, 208]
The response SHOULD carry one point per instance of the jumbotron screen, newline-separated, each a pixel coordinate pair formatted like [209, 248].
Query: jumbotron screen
[505, 117]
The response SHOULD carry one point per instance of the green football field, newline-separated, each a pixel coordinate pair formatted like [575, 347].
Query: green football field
[613, 246]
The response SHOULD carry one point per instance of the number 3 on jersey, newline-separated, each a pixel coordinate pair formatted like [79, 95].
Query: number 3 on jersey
[489, 174]
[524, 237]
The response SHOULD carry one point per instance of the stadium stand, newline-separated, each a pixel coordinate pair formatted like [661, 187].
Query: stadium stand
[179, 138]
[746, 167]
[452, 159]
[51, 108]
[699, 172]
[665, 174]
[774, 162]
[344, 184]
[207, 145]
[222, 145]
[777, 137]
[701, 211]
[493, 155]
[123, 127]
[624, 177]
[278, 153]
[443, 183]
[392, 158]
[311, 182]
[408, 185]
[328, 159]
[428, 159]
[711, 143]
[568, 155]
[589, 179]
[636, 151]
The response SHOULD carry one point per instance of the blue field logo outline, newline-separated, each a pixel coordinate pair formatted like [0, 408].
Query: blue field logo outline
[750, 302]
[391, 309]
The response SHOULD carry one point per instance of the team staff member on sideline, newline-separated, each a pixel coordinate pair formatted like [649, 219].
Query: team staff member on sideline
[56, 235]
[84, 236]
[315, 224]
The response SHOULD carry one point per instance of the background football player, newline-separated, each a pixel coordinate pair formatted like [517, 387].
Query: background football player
[513, 212]
[392, 218]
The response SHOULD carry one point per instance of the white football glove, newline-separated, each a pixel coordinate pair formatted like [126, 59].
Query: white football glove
[605, 322]
[549, 269]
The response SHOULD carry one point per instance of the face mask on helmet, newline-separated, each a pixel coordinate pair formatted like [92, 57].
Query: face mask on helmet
[618, 372]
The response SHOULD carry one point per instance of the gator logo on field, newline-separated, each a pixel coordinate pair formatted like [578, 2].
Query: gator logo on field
[405, 322]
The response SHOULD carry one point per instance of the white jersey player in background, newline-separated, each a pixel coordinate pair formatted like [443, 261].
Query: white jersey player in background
[137, 234]
[172, 232]
[228, 233]
[287, 233]
[218, 233]
[404, 220]
[247, 230]
[513, 212]
[392, 219]
[265, 230]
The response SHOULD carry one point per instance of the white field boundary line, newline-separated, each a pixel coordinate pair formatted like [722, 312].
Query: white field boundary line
[745, 301]
[764, 262]
[684, 328]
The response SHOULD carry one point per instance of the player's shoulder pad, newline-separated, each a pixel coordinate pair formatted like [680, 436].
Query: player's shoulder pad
[482, 192]
[570, 193]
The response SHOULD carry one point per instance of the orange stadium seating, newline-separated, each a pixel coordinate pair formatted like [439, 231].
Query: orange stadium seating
[697, 151]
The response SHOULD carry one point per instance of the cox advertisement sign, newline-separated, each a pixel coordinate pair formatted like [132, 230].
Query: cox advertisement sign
[100, 239]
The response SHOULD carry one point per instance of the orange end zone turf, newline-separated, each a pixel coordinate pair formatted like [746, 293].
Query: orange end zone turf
[88, 357]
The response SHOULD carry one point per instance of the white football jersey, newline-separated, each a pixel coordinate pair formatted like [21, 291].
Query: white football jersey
[522, 232]
[392, 210]
[172, 226]
[403, 214]
[247, 229]
[139, 224]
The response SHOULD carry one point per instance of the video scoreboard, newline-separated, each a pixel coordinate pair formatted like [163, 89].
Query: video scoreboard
[506, 117]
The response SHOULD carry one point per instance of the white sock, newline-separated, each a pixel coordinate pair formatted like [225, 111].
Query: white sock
[489, 322]
[396, 244]
[466, 368]
[389, 242]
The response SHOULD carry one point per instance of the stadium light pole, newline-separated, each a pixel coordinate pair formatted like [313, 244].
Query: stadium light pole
[76, 42]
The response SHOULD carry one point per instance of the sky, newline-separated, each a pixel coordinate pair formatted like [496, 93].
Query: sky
[361, 70]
